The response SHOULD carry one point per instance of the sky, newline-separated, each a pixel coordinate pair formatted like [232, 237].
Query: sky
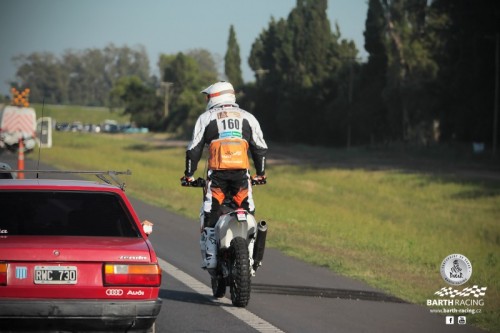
[161, 26]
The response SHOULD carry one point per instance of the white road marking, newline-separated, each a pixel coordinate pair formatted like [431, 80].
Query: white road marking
[246, 316]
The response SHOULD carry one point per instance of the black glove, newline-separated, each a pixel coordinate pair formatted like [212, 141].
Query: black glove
[259, 180]
[187, 180]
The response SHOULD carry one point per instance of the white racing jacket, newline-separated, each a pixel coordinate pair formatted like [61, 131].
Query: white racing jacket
[230, 132]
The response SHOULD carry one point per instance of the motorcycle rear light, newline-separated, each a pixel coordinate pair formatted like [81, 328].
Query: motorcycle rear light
[3, 274]
[132, 275]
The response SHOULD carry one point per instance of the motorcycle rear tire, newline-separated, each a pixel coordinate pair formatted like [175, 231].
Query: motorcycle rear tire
[239, 276]
[219, 287]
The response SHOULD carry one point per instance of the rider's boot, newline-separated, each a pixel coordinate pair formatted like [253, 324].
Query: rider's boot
[203, 250]
[202, 239]
[209, 248]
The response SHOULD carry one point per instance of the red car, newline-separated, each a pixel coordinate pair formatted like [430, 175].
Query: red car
[74, 256]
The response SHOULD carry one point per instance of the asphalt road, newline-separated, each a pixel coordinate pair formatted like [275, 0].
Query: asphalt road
[291, 295]
[288, 295]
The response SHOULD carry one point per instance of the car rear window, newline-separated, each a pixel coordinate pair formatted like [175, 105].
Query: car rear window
[66, 213]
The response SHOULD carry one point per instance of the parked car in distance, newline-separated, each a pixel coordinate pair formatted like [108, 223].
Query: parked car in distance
[63, 127]
[74, 256]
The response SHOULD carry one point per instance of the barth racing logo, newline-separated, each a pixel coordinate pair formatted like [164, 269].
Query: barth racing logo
[456, 269]
[470, 291]
[450, 293]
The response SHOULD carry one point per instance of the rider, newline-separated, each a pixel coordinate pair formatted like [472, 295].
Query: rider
[230, 132]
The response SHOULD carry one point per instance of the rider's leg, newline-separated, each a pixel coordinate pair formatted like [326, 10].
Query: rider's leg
[213, 199]
[242, 192]
[208, 246]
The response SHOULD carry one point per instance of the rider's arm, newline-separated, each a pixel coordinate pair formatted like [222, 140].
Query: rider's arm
[195, 147]
[258, 146]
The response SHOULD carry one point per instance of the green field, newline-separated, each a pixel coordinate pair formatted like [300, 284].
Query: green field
[387, 217]
[86, 115]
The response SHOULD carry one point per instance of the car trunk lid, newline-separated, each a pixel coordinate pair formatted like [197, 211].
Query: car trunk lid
[74, 248]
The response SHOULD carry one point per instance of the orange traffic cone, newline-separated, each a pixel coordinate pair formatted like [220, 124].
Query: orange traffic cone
[20, 159]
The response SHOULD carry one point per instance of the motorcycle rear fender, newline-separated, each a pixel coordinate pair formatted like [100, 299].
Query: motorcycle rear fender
[228, 227]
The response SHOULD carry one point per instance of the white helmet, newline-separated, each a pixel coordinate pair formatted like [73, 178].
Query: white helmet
[219, 93]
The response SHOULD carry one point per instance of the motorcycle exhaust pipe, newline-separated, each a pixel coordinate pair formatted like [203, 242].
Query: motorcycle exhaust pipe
[260, 244]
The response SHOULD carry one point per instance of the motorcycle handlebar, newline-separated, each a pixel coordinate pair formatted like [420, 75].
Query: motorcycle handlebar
[259, 182]
[200, 182]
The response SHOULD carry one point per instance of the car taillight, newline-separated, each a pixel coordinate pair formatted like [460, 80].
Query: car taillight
[3, 274]
[132, 275]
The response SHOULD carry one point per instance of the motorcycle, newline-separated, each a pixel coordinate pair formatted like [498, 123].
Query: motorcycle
[240, 243]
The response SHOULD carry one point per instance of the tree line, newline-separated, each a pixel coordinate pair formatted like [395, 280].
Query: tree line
[79, 77]
[429, 76]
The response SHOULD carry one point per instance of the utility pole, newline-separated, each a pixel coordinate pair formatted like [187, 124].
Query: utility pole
[349, 98]
[166, 91]
[495, 111]
[351, 60]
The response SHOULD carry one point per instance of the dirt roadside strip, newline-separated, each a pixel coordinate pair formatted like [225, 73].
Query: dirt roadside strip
[471, 168]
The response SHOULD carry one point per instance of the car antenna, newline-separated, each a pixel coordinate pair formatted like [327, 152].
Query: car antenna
[114, 176]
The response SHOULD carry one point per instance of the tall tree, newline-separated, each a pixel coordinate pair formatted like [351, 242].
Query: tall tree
[371, 112]
[232, 60]
[311, 39]
[268, 63]
[141, 102]
[410, 68]
[207, 63]
[44, 75]
[187, 78]
[297, 63]
[466, 33]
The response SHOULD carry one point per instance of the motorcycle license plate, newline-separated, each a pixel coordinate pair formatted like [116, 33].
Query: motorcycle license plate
[241, 216]
[55, 275]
